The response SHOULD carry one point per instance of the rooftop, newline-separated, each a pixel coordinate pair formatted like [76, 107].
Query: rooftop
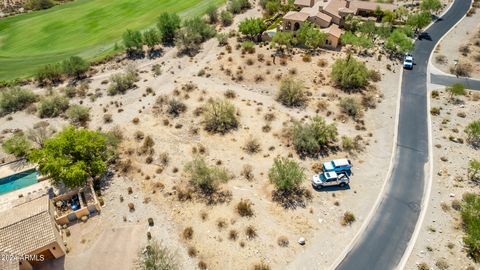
[296, 16]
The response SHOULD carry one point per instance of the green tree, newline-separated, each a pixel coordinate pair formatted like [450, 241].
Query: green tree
[199, 26]
[399, 42]
[349, 73]
[456, 89]
[155, 256]
[212, 13]
[151, 38]
[273, 7]
[362, 41]
[367, 28]
[474, 170]
[73, 156]
[15, 99]
[432, 6]
[192, 34]
[17, 145]
[167, 25]
[283, 40]
[286, 174]
[352, 23]
[419, 20]
[204, 177]
[314, 138]
[133, 41]
[252, 28]
[310, 36]
[473, 133]
[75, 66]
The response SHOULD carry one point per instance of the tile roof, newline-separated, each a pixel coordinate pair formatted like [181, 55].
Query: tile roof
[324, 17]
[296, 16]
[335, 31]
[333, 6]
[302, 3]
[27, 227]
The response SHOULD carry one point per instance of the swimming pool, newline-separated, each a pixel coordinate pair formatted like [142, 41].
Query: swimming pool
[18, 181]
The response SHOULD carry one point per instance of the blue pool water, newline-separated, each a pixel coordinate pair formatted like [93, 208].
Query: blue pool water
[18, 181]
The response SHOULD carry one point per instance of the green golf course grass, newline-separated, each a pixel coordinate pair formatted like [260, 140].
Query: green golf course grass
[88, 28]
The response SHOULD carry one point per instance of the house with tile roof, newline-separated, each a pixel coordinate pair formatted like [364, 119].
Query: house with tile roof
[329, 15]
[29, 233]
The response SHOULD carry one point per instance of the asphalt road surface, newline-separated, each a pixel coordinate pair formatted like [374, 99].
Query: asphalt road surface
[385, 239]
[471, 84]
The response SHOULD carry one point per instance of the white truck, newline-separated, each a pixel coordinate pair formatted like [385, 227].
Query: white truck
[326, 179]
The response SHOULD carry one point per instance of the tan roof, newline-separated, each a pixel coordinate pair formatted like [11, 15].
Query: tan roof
[371, 6]
[335, 31]
[333, 6]
[27, 227]
[296, 16]
[302, 3]
[324, 16]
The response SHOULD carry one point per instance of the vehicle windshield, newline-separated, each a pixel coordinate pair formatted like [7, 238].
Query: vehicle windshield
[408, 60]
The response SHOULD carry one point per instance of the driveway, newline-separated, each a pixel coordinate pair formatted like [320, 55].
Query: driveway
[385, 239]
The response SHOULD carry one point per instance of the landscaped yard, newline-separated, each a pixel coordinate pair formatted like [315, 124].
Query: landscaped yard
[85, 27]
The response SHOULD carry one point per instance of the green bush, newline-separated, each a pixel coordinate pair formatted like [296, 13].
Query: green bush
[156, 256]
[474, 170]
[456, 89]
[470, 212]
[167, 25]
[237, 6]
[351, 107]
[220, 116]
[78, 115]
[252, 27]
[286, 174]
[205, 178]
[120, 83]
[222, 39]
[39, 4]
[17, 145]
[311, 139]
[75, 66]
[292, 93]
[212, 13]
[473, 133]
[15, 99]
[226, 18]
[248, 46]
[50, 73]
[52, 106]
[192, 34]
[349, 73]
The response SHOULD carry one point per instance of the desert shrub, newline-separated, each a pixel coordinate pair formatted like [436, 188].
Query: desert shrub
[348, 218]
[461, 69]
[269, 117]
[220, 116]
[52, 106]
[282, 241]
[291, 93]
[311, 139]
[441, 59]
[237, 6]
[120, 83]
[247, 172]
[471, 220]
[349, 73]
[456, 89]
[251, 232]
[244, 208]
[176, 107]
[70, 91]
[435, 94]
[464, 49]
[261, 266]
[351, 107]
[17, 145]
[286, 174]
[38, 4]
[248, 46]
[75, 66]
[187, 233]
[230, 94]
[252, 146]
[226, 18]
[435, 111]
[374, 75]
[474, 170]
[212, 13]
[205, 178]
[423, 266]
[441, 264]
[369, 101]
[473, 133]
[156, 256]
[15, 99]
[233, 235]
[222, 39]
[78, 115]
[50, 73]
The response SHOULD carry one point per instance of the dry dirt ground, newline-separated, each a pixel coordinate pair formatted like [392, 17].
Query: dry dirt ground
[154, 191]
[462, 44]
[440, 241]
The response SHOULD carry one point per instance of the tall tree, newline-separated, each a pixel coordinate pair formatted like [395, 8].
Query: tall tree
[432, 6]
[73, 156]
[283, 40]
[151, 38]
[311, 36]
[399, 42]
[168, 24]
[252, 28]
[419, 20]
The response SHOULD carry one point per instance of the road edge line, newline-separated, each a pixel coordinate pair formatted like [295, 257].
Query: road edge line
[429, 182]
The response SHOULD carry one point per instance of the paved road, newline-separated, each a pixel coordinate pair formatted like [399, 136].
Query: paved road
[471, 84]
[386, 237]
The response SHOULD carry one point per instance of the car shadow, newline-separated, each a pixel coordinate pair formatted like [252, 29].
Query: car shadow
[424, 35]
[332, 188]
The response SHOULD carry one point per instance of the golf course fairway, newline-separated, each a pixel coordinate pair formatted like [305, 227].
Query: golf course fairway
[88, 28]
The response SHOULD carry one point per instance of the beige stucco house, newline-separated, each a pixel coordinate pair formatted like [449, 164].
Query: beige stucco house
[329, 15]
[29, 229]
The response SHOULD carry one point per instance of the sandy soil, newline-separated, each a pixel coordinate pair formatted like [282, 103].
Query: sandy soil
[467, 51]
[441, 234]
[154, 191]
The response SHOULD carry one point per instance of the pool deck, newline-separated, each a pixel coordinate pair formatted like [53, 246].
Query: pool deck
[14, 167]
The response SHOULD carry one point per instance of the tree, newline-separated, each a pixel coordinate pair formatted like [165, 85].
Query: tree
[252, 27]
[431, 6]
[349, 73]
[133, 41]
[194, 32]
[155, 256]
[283, 40]
[456, 89]
[167, 25]
[358, 42]
[286, 174]
[399, 42]
[220, 116]
[419, 20]
[367, 28]
[15, 99]
[273, 7]
[351, 23]
[474, 170]
[151, 38]
[473, 133]
[75, 66]
[292, 93]
[73, 156]
[199, 26]
[314, 138]
[310, 36]
[18, 145]
[401, 13]
[205, 178]
[212, 13]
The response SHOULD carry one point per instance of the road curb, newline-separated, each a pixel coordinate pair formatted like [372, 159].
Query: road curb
[429, 182]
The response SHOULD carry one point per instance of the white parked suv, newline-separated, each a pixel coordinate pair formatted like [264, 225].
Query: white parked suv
[327, 179]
